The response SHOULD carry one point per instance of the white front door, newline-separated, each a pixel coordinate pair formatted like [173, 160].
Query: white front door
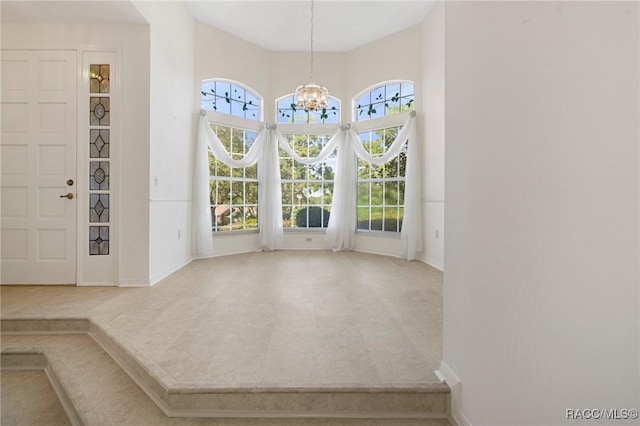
[38, 152]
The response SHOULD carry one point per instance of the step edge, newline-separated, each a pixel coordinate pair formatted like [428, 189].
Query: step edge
[43, 365]
[284, 414]
[74, 416]
[104, 340]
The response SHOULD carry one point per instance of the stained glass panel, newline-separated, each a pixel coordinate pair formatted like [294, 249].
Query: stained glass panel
[99, 78]
[98, 208]
[389, 99]
[99, 143]
[99, 108]
[98, 240]
[228, 98]
[99, 175]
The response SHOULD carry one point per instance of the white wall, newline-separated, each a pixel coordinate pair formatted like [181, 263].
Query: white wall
[541, 293]
[433, 134]
[131, 42]
[172, 41]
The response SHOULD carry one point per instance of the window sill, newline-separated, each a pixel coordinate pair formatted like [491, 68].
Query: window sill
[300, 230]
[382, 234]
[234, 233]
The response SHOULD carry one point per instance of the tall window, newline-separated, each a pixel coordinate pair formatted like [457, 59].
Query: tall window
[234, 191]
[307, 191]
[381, 188]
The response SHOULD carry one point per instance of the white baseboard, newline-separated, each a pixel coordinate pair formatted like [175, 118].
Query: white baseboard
[165, 272]
[134, 282]
[446, 374]
[433, 263]
[377, 252]
[95, 284]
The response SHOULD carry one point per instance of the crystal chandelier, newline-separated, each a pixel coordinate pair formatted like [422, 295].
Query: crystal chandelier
[311, 97]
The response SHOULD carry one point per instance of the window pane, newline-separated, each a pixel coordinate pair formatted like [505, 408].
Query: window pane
[251, 172]
[251, 189]
[249, 139]
[376, 218]
[286, 216]
[286, 168]
[376, 193]
[327, 196]
[224, 192]
[391, 193]
[363, 193]
[390, 219]
[363, 218]
[407, 103]
[407, 89]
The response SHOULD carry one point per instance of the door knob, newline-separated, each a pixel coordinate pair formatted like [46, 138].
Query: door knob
[70, 182]
[69, 196]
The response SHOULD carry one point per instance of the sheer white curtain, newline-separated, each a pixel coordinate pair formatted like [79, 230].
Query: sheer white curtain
[264, 151]
[201, 241]
[269, 190]
[342, 221]
[341, 230]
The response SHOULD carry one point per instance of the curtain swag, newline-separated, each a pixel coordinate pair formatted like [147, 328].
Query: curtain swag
[341, 229]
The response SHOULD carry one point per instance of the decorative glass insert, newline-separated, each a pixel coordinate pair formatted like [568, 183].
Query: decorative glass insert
[390, 99]
[230, 98]
[288, 113]
[99, 143]
[99, 175]
[99, 78]
[98, 208]
[99, 108]
[98, 240]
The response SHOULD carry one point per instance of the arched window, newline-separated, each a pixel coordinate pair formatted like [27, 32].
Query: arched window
[234, 110]
[229, 97]
[384, 100]
[381, 111]
[288, 113]
[307, 190]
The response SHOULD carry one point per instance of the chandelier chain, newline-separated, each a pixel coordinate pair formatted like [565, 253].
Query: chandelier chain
[311, 97]
[311, 50]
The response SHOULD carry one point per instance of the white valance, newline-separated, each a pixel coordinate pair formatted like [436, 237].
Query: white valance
[342, 221]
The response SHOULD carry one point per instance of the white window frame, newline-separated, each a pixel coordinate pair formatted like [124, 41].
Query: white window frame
[374, 124]
[216, 118]
[307, 129]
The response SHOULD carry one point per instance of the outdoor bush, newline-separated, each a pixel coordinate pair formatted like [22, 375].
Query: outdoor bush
[318, 217]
